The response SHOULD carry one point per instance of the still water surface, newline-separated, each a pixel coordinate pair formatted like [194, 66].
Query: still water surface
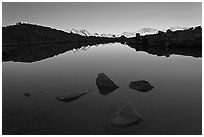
[174, 106]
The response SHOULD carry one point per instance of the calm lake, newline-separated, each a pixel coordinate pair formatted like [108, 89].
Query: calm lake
[173, 106]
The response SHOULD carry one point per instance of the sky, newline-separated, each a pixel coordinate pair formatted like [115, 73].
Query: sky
[104, 17]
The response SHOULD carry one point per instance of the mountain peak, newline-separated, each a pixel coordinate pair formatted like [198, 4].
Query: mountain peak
[142, 32]
[84, 32]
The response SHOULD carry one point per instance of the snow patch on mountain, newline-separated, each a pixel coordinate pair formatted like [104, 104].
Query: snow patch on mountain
[128, 34]
[82, 32]
[147, 31]
[178, 28]
[142, 32]
[108, 35]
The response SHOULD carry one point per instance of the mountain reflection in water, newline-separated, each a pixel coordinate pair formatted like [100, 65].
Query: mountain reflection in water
[43, 51]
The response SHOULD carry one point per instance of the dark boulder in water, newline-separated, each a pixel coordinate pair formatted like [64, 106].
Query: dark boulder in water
[71, 97]
[141, 85]
[105, 84]
[127, 116]
[105, 91]
[104, 81]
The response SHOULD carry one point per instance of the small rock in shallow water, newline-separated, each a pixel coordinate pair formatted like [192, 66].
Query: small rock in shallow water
[104, 83]
[141, 85]
[127, 116]
[71, 97]
[27, 94]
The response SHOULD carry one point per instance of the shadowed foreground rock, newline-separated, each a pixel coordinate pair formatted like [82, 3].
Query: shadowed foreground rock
[105, 91]
[105, 84]
[127, 116]
[141, 85]
[72, 97]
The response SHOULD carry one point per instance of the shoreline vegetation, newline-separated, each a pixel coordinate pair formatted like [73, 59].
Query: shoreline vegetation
[28, 42]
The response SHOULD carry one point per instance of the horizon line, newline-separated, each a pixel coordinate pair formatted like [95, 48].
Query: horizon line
[164, 30]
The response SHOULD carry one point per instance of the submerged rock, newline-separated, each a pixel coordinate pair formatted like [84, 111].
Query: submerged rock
[105, 84]
[127, 116]
[71, 97]
[141, 85]
[27, 94]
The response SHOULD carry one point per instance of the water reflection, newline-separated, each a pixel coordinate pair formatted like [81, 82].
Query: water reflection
[176, 98]
[168, 51]
[43, 51]
[38, 52]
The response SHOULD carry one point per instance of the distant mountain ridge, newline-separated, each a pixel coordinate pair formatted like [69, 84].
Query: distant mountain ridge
[31, 34]
[178, 28]
[142, 32]
[84, 32]
[29, 42]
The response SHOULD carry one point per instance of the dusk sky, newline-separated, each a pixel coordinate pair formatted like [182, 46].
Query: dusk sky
[104, 17]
